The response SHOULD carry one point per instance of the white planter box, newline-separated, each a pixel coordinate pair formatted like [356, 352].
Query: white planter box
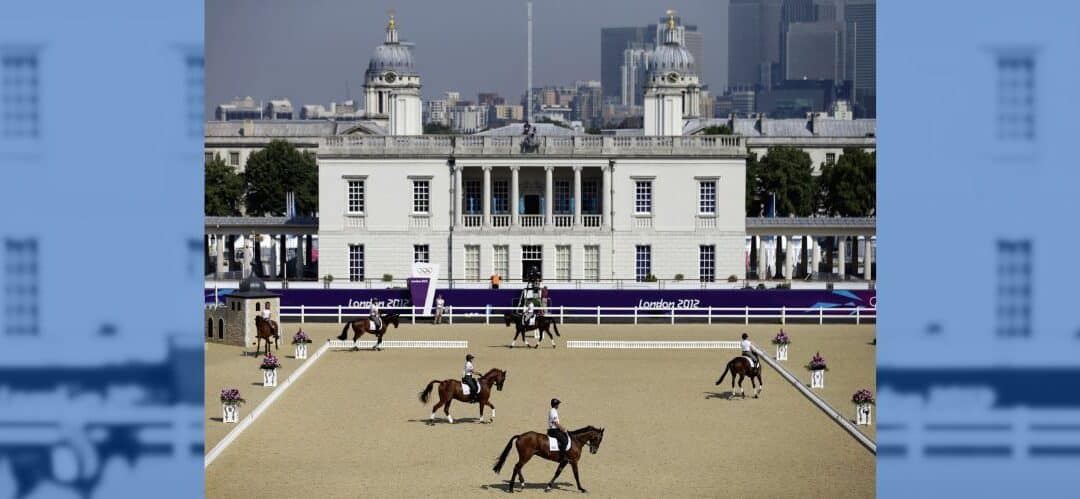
[781, 352]
[230, 413]
[864, 414]
[269, 377]
[301, 350]
[817, 379]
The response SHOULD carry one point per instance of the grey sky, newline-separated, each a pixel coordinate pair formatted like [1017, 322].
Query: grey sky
[310, 50]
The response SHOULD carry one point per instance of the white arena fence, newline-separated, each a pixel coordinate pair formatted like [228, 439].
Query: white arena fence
[598, 315]
[362, 344]
[652, 344]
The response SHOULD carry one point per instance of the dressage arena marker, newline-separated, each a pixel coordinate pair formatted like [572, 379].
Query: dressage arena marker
[250, 418]
[652, 344]
[824, 406]
[362, 344]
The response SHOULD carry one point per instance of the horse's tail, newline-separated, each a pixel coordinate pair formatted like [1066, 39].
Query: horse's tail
[506, 452]
[726, 369]
[345, 331]
[424, 395]
[556, 326]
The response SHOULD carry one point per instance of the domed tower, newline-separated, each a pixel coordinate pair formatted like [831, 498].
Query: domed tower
[672, 87]
[392, 86]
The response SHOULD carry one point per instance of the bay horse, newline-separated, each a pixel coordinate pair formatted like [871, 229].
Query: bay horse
[532, 443]
[363, 325]
[543, 325]
[264, 330]
[450, 390]
[740, 366]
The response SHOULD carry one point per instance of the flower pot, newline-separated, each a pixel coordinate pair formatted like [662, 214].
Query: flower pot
[863, 414]
[301, 350]
[781, 352]
[817, 378]
[230, 413]
[269, 377]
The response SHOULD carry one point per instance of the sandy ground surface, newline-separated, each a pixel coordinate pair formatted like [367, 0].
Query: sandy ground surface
[353, 426]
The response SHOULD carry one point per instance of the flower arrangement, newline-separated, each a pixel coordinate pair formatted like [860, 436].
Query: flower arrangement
[863, 396]
[817, 363]
[270, 362]
[781, 338]
[301, 337]
[231, 396]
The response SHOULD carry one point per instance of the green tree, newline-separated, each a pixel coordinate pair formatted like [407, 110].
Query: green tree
[437, 129]
[754, 203]
[849, 187]
[787, 174]
[593, 130]
[275, 170]
[223, 190]
[716, 130]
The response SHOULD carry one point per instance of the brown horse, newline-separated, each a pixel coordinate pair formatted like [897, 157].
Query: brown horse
[450, 390]
[363, 325]
[265, 329]
[740, 366]
[532, 443]
[543, 325]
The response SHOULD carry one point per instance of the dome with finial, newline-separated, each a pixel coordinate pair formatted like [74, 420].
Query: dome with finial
[252, 287]
[392, 55]
[671, 53]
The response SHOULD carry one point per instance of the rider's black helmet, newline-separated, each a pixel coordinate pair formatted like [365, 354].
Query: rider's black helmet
[469, 357]
[745, 336]
[555, 402]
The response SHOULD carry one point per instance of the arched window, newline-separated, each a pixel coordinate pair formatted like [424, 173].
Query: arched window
[257, 305]
[221, 329]
[210, 327]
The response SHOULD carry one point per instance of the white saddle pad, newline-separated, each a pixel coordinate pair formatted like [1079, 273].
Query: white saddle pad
[553, 444]
[465, 388]
[753, 363]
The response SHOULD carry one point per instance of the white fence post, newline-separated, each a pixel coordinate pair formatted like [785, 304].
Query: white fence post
[301, 313]
[783, 314]
[635, 316]
[820, 316]
[412, 312]
[856, 315]
[598, 314]
[672, 316]
[747, 316]
[561, 312]
[339, 314]
[710, 315]
[487, 315]
[451, 310]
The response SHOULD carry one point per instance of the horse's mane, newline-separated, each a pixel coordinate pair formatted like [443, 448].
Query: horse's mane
[586, 429]
[493, 369]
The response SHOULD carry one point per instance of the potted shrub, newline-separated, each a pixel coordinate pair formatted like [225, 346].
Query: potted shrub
[679, 277]
[327, 279]
[230, 405]
[732, 278]
[781, 341]
[300, 341]
[817, 367]
[650, 278]
[270, 366]
[863, 399]
[387, 277]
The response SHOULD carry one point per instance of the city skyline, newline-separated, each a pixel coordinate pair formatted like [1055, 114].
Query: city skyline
[245, 58]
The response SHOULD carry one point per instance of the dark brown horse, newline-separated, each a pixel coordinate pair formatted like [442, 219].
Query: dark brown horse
[740, 366]
[264, 330]
[543, 325]
[450, 390]
[363, 325]
[532, 443]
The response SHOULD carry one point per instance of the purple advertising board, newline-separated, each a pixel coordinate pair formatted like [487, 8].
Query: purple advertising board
[663, 299]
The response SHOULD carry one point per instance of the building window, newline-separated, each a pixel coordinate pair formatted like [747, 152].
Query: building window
[356, 262]
[642, 262]
[421, 253]
[19, 101]
[707, 263]
[590, 197]
[562, 197]
[532, 252]
[643, 197]
[1016, 96]
[501, 260]
[234, 158]
[500, 197]
[472, 262]
[473, 196]
[21, 286]
[193, 79]
[208, 156]
[221, 329]
[356, 196]
[421, 196]
[830, 158]
[707, 197]
[562, 263]
[592, 263]
[1014, 272]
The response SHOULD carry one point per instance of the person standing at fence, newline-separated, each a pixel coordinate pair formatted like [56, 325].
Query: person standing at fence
[439, 304]
[496, 279]
[545, 301]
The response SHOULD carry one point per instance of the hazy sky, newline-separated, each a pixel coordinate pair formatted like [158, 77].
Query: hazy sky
[311, 50]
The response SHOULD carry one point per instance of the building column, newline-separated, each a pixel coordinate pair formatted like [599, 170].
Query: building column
[815, 256]
[752, 257]
[459, 217]
[284, 256]
[221, 266]
[868, 260]
[577, 196]
[841, 254]
[257, 245]
[763, 260]
[486, 204]
[309, 250]
[207, 267]
[605, 210]
[804, 256]
[549, 205]
[245, 264]
[515, 194]
[788, 257]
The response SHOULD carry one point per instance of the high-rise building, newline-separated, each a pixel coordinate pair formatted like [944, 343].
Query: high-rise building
[635, 63]
[467, 119]
[588, 102]
[435, 112]
[278, 109]
[793, 11]
[614, 41]
[489, 99]
[744, 43]
[239, 109]
[861, 19]
[815, 51]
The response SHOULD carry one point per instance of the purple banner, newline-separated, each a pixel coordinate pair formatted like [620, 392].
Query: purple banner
[418, 289]
[664, 299]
